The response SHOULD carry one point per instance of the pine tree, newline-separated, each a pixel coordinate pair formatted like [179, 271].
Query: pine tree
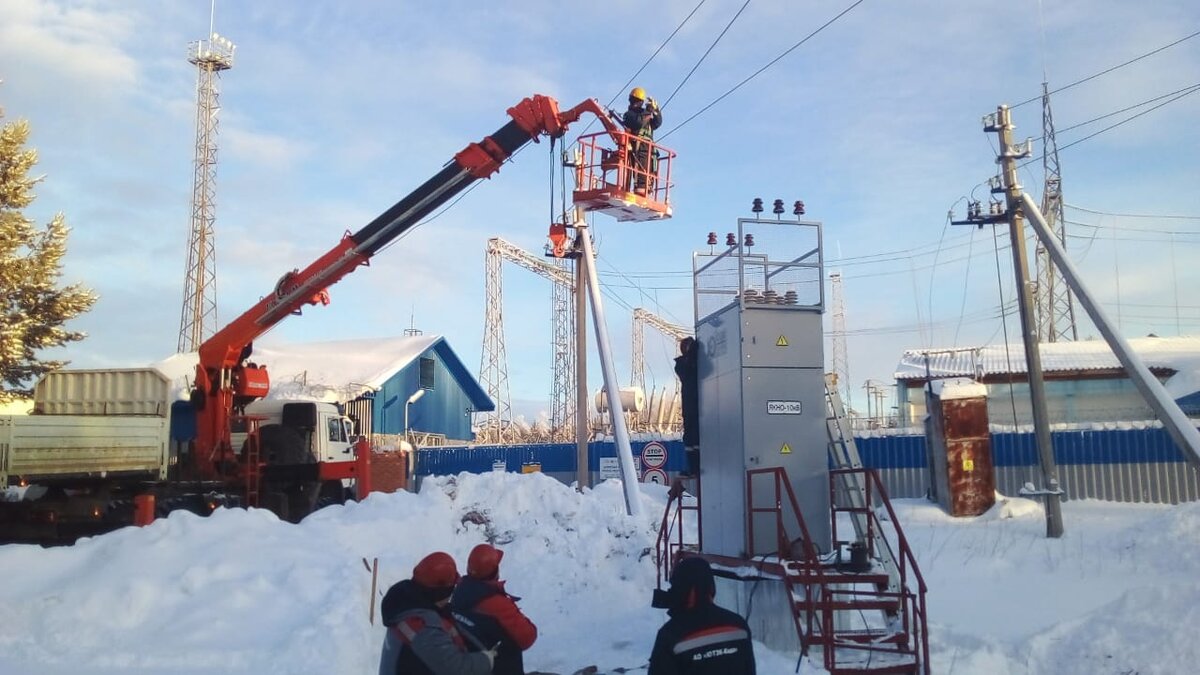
[33, 307]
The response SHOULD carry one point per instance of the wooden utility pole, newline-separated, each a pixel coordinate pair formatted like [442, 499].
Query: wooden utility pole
[1001, 124]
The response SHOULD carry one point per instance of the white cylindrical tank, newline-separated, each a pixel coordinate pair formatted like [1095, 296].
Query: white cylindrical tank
[633, 399]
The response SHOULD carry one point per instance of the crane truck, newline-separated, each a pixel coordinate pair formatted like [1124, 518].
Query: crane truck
[286, 456]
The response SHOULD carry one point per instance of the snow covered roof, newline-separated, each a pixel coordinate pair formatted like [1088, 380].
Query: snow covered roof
[1178, 354]
[338, 370]
[957, 388]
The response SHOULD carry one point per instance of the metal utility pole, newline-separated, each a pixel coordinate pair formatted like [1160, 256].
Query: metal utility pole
[582, 433]
[198, 318]
[1055, 307]
[1183, 430]
[629, 478]
[1001, 124]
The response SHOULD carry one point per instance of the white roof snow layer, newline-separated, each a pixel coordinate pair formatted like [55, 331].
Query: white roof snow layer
[1181, 354]
[336, 370]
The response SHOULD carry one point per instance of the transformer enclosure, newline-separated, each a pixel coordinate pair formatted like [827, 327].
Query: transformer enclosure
[759, 306]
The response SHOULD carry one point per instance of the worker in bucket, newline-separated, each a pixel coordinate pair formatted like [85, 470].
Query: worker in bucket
[641, 118]
[482, 606]
[422, 638]
[700, 638]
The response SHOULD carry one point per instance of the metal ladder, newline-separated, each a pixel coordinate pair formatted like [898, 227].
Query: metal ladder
[844, 455]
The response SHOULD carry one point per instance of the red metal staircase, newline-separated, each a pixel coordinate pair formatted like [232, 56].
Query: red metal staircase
[862, 613]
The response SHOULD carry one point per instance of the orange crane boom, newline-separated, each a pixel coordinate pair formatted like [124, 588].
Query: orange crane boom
[226, 381]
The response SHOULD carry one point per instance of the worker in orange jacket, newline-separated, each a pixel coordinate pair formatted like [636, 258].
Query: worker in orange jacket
[482, 606]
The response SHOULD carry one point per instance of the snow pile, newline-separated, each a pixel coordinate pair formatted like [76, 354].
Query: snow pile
[242, 592]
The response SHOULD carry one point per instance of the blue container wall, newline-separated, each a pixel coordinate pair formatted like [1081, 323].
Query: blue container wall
[553, 457]
[1122, 465]
[442, 410]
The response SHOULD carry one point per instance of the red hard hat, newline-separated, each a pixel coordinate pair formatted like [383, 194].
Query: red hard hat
[484, 562]
[436, 570]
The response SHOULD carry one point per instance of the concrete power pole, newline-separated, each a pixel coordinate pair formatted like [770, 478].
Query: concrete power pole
[1001, 124]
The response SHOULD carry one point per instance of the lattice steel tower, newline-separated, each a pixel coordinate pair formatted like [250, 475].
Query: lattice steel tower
[494, 426]
[1055, 307]
[198, 318]
[837, 337]
[562, 387]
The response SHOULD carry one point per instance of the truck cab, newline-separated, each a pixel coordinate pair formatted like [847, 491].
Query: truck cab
[297, 438]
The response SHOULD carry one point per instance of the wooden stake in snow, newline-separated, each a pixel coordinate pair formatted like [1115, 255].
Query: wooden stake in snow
[373, 568]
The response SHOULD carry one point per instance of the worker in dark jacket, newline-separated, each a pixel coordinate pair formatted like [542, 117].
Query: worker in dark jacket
[700, 638]
[422, 638]
[482, 606]
[641, 118]
[686, 367]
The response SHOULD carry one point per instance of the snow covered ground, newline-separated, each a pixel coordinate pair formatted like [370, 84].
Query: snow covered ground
[242, 592]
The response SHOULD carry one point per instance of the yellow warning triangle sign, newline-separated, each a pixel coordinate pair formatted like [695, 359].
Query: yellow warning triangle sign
[786, 449]
[782, 341]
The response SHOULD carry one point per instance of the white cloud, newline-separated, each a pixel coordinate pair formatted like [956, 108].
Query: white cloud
[82, 43]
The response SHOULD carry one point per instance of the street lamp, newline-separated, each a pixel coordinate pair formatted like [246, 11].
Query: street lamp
[411, 400]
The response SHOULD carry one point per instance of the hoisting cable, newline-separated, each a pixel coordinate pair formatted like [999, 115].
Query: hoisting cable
[758, 72]
[705, 55]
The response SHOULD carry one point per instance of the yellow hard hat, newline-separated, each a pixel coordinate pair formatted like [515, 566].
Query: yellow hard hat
[638, 93]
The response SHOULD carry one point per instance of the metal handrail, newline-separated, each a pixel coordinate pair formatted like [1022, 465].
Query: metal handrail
[915, 602]
[599, 161]
[811, 561]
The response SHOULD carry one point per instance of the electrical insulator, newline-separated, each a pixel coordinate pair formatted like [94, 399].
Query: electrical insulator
[798, 208]
[778, 207]
[749, 240]
[757, 208]
[712, 238]
[731, 239]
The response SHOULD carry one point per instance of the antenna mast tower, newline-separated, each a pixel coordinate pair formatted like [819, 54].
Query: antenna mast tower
[1055, 308]
[841, 366]
[198, 318]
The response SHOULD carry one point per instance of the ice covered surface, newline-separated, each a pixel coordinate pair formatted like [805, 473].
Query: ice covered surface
[241, 592]
[958, 388]
[1181, 354]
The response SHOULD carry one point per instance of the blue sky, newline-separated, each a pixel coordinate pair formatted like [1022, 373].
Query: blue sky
[335, 110]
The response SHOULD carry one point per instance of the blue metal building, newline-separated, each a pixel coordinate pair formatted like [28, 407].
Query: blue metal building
[451, 395]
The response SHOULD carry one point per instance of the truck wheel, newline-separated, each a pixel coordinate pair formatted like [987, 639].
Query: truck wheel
[331, 493]
[275, 502]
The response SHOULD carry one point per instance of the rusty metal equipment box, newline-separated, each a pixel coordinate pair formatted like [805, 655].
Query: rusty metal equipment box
[959, 446]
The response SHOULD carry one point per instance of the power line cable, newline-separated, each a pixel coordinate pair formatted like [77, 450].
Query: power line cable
[1109, 70]
[758, 72]
[1187, 91]
[646, 63]
[705, 55]
[1122, 110]
[1130, 215]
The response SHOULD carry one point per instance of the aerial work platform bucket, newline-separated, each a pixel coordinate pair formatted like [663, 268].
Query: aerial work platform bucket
[631, 182]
